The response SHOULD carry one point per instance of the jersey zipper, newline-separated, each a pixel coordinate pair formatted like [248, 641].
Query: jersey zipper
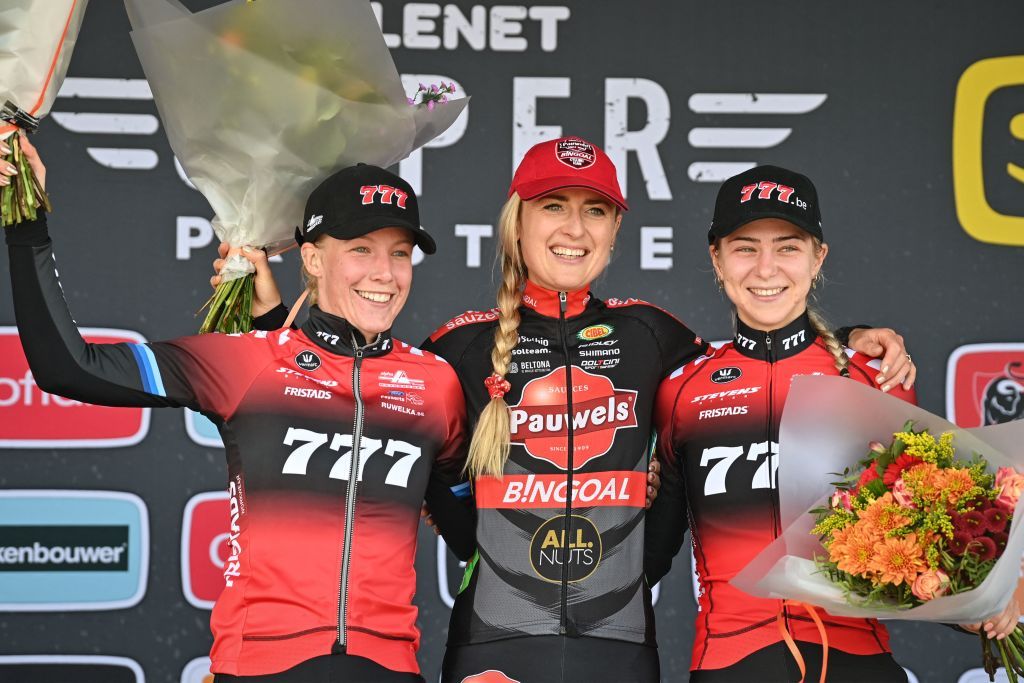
[350, 502]
[564, 625]
[772, 480]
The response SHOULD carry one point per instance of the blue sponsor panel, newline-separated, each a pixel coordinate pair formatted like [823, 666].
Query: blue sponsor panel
[201, 430]
[72, 550]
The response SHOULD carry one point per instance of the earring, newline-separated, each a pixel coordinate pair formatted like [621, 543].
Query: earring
[818, 279]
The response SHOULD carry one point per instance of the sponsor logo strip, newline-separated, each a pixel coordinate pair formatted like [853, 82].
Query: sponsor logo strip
[72, 550]
[536, 491]
[32, 418]
[77, 668]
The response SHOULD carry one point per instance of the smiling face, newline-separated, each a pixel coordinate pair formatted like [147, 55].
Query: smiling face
[566, 237]
[767, 268]
[364, 280]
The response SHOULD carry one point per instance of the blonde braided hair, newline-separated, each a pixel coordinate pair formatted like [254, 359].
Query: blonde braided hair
[489, 448]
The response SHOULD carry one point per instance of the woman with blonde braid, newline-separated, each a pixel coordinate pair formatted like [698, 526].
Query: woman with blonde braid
[561, 386]
[718, 438]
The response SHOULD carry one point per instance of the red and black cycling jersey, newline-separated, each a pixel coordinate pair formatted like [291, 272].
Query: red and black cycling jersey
[560, 535]
[321, 560]
[718, 435]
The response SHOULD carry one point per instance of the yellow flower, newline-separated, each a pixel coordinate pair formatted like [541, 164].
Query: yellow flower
[898, 560]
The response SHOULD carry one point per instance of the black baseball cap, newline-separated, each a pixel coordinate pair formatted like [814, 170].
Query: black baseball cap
[359, 199]
[766, 192]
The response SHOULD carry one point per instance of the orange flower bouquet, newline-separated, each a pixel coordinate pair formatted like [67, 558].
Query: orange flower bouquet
[922, 528]
[913, 523]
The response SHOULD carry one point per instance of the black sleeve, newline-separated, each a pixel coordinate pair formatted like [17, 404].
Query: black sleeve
[454, 516]
[667, 520]
[272, 319]
[665, 526]
[146, 375]
[843, 333]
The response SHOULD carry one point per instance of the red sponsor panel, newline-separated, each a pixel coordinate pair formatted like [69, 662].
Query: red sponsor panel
[30, 418]
[602, 489]
[205, 534]
[539, 420]
[985, 384]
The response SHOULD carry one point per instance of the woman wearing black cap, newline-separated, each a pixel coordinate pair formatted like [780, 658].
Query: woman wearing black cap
[329, 457]
[718, 442]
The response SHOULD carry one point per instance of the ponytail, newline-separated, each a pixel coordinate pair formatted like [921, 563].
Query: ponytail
[489, 448]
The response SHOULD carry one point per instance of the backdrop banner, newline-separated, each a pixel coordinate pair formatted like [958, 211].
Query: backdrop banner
[908, 116]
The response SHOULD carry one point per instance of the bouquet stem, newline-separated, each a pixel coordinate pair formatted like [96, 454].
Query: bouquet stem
[21, 200]
[230, 307]
[1008, 653]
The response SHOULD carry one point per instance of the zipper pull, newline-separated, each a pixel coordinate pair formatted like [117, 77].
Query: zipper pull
[562, 301]
[768, 344]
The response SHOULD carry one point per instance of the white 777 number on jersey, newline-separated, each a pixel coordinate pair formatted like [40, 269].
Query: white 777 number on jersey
[725, 456]
[310, 441]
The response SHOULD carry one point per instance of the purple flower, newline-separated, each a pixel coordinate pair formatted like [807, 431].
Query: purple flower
[444, 99]
[996, 519]
[1001, 539]
[958, 544]
[451, 86]
[433, 88]
[972, 522]
[411, 100]
[422, 87]
[984, 547]
[430, 105]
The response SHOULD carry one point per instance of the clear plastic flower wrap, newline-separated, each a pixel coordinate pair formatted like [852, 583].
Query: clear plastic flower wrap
[37, 38]
[263, 99]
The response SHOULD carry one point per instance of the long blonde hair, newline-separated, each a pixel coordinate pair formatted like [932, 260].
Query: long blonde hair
[489, 448]
[818, 322]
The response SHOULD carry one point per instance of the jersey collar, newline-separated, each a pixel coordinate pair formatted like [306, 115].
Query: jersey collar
[547, 302]
[776, 345]
[336, 335]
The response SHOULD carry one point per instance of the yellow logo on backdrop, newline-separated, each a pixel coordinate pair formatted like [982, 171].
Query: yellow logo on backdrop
[977, 216]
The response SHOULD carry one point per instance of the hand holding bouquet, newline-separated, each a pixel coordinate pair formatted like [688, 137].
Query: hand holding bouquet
[263, 100]
[923, 528]
[36, 41]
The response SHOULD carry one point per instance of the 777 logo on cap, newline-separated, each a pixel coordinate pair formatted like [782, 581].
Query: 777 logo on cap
[578, 154]
[388, 195]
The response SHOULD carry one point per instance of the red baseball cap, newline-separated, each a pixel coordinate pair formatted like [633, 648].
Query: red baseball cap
[566, 162]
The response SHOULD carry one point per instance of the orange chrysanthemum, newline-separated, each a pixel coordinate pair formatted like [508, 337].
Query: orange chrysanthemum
[858, 548]
[884, 515]
[898, 560]
[926, 480]
[955, 483]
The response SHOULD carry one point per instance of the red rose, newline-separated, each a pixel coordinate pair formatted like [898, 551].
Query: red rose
[895, 470]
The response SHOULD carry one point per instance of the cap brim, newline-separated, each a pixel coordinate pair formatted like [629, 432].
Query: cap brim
[537, 188]
[720, 232]
[368, 224]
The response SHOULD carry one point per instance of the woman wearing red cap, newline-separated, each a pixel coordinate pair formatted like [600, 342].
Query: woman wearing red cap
[319, 584]
[718, 419]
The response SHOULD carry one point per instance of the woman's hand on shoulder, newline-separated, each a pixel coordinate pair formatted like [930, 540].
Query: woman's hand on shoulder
[267, 296]
[897, 365]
